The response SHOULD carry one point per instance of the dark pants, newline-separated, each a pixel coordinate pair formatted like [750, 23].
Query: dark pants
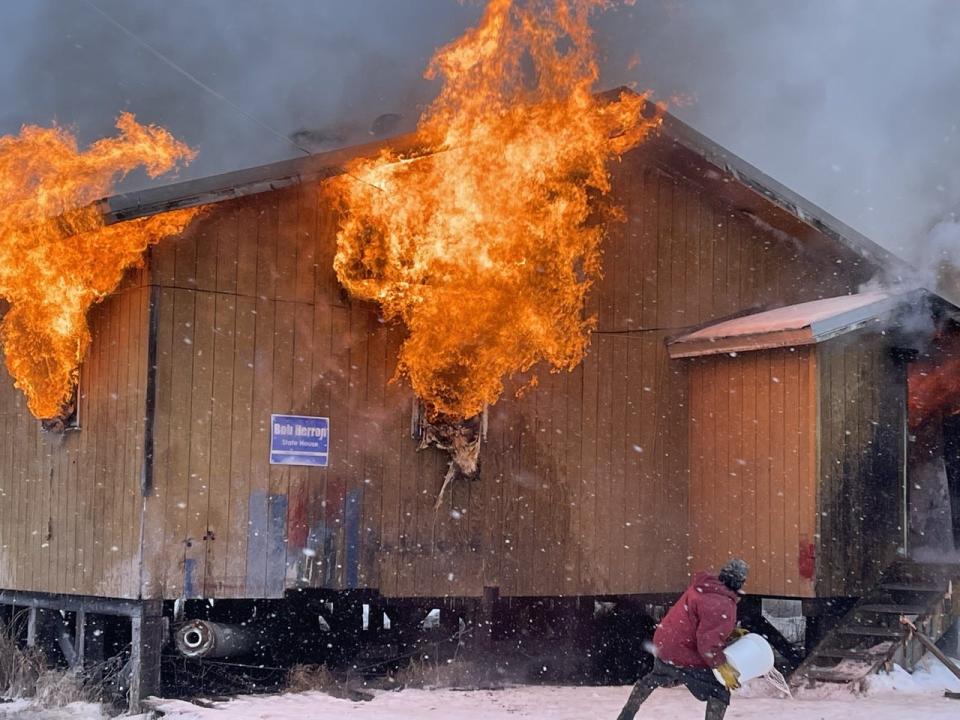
[699, 681]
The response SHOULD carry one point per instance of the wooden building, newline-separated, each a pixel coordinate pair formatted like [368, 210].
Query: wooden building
[620, 477]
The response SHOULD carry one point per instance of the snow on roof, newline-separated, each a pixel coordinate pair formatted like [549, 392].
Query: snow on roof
[803, 324]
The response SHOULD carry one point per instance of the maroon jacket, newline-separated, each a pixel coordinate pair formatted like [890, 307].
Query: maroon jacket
[693, 633]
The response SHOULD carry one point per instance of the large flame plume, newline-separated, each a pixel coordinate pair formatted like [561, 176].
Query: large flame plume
[485, 241]
[57, 256]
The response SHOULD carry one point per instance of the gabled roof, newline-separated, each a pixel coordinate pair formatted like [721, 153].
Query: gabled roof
[793, 325]
[676, 145]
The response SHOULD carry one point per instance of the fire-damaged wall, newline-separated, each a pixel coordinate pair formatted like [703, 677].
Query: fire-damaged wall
[584, 479]
[862, 396]
[583, 486]
[71, 503]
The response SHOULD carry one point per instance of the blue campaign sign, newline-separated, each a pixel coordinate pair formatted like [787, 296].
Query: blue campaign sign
[299, 440]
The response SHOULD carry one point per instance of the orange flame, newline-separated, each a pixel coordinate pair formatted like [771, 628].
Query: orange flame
[483, 243]
[934, 381]
[57, 257]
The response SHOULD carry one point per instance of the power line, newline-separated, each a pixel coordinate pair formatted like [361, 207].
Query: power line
[192, 78]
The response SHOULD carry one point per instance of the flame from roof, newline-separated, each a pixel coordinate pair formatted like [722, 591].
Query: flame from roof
[485, 242]
[57, 257]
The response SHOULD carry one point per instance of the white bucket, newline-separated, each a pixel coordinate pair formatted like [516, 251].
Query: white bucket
[751, 656]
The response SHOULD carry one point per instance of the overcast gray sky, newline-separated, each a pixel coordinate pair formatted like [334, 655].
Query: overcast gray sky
[852, 103]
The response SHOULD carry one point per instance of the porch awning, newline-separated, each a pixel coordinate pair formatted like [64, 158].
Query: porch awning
[803, 324]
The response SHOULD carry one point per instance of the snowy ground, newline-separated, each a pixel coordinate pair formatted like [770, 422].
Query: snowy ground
[898, 696]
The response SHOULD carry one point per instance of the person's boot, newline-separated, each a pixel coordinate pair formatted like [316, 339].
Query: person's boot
[716, 709]
[641, 691]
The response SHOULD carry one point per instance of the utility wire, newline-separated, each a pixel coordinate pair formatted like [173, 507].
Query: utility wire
[192, 78]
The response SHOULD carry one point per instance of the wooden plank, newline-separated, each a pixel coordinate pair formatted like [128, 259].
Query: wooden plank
[721, 277]
[356, 385]
[196, 436]
[287, 244]
[701, 448]
[808, 457]
[154, 569]
[298, 525]
[241, 459]
[185, 261]
[735, 456]
[103, 455]
[377, 422]
[396, 433]
[220, 429]
[279, 483]
[267, 243]
[619, 436]
[604, 470]
[511, 490]
[118, 355]
[649, 248]
[178, 460]
[208, 258]
[306, 243]
[761, 575]
[777, 499]
[257, 529]
[228, 248]
[136, 411]
[128, 441]
[679, 256]
[321, 394]
[665, 245]
[792, 416]
[573, 443]
[248, 212]
[588, 459]
[705, 276]
[747, 469]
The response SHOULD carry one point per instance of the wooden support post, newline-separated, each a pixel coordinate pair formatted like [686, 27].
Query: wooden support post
[146, 639]
[32, 616]
[485, 630]
[80, 638]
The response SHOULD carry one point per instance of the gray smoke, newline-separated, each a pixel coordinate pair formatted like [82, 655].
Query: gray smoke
[852, 103]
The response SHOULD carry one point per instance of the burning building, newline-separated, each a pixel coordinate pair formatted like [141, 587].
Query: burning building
[738, 396]
[256, 402]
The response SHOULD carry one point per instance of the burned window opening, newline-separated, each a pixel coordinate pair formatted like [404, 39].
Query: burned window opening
[460, 438]
[68, 418]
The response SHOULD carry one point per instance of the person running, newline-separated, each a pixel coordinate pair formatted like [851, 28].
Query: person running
[689, 642]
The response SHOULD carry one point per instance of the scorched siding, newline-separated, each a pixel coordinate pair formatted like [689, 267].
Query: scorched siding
[584, 486]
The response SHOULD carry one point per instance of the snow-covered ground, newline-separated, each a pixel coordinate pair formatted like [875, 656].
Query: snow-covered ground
[897, 696]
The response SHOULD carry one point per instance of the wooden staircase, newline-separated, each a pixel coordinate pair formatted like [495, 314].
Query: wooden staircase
[870, 636]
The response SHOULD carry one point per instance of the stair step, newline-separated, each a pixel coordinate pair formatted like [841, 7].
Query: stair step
[894, 609]
[865, 655]
[871, 631]
[914, 587]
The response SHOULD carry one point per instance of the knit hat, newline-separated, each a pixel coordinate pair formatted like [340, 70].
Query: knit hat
[734, 574]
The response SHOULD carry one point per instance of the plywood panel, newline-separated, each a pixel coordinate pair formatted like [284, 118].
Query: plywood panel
[748, 451]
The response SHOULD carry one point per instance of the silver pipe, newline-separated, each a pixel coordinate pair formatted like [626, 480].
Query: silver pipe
[205, 639]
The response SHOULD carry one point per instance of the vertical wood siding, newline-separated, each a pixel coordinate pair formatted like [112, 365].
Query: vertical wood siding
[862, 398]
[584, 485]
[753, 465]
[585, 480]
[70, 505]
